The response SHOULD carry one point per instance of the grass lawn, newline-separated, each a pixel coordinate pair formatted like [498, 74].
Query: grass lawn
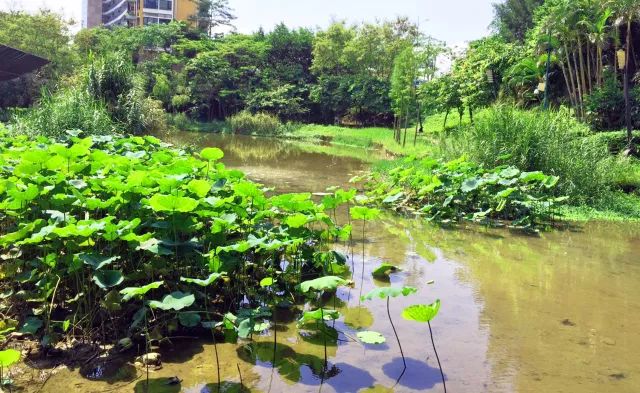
[366, 138]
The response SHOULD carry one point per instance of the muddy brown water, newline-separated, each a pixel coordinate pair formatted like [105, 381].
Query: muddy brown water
[559, 312]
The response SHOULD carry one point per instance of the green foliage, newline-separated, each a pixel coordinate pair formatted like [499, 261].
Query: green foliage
[403, 82]
[174, 301]
[605, 106]
[384, 270]
[45, 34]
[452, 191]
[327, 283]
[259, 124]
[9, 357]
[69, 206]
[421, 312]
[551, 142]
[213, 277]
[513, 18]
[364, 213]
[68, 109]
[385, 292]
[318, 315]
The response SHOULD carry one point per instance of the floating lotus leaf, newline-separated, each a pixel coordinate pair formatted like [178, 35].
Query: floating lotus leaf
[369, 337]
[384, 270]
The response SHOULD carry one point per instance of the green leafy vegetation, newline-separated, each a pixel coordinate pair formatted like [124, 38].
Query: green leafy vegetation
[458, 190]
[114, 227]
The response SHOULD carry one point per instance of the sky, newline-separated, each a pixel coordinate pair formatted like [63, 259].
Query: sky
[453, 21]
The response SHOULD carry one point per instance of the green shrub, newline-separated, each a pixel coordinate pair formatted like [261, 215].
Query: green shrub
[259, 124]
[605, 106]
[462, 190]
[552, 142]
[116, 228]
[68, 109]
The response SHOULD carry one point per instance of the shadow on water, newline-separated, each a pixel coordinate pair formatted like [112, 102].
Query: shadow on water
[418, 375]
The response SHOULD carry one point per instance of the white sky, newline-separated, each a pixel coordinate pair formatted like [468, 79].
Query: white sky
[454, 21]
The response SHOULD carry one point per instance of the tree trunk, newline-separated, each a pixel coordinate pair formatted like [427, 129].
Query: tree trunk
[446, 115]
[583, 79]
[406, 123]
[572, 98]
[600, 66]
[571, 79]
[627, 100]
[580, 95]
[471, 114]
[589, 58]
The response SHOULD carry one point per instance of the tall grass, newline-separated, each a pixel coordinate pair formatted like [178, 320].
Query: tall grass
[552, 142]
[259, 124]
[101, 98]
[68, 109]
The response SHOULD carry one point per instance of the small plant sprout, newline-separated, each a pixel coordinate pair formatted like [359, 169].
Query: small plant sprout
[424, 313]
[389, 292]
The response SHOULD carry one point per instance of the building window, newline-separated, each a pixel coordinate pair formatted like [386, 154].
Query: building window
[150, 21]
[159, 5]
[164, 21]
[165, 5]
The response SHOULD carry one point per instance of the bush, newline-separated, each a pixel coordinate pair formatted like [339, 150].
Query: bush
[103, 98]
[259, 124]
[459, 190]
[68, 109]
[552, 142]
[605, 106]
[136, 217]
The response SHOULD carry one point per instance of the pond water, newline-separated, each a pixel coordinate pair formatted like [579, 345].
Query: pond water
[559, 312]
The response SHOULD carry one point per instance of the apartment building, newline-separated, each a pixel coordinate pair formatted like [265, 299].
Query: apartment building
[111, 13]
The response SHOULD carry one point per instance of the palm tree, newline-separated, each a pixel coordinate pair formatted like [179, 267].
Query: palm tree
[627, 12]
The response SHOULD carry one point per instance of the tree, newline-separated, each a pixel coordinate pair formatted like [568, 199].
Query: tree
[213, 13]
[628, 11]
[44, 34]
[513, 18]
[403, 90]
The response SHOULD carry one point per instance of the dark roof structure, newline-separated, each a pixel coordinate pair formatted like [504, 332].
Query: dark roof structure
[14, 63]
